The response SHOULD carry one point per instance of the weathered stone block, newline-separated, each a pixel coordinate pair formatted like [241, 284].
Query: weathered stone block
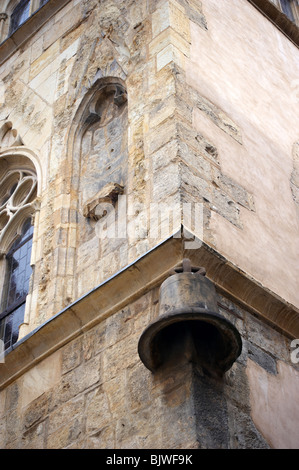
[219, 118]
[225, 206]
[39, 65]
[196, 161]
[103, 439]
[34, 438]
[244, 434]
[94, 341]
[72, 355]
[119, 356]
[166, 38]
[194, 130]
[233, 189]
[116, 392]
[195, 184]
[98, 413]
[170, 54]
[78, 380]
[166, 182]
[262, 358]
[170, 14]
[66, 435]
[118, 326]
[66, 412]
[36, 411]
[41, 378]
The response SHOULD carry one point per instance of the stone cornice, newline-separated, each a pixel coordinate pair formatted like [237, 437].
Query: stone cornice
[133, 281]
[29, 28]
[285, 25]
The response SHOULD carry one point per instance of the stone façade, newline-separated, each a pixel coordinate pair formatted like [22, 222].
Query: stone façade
[190, 131]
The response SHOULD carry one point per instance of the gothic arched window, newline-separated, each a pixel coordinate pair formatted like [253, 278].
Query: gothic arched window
[18, 189]
[21, 12]
[16, 285]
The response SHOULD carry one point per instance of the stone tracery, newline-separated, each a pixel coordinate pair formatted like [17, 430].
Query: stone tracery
[17, 194]
[20, 186]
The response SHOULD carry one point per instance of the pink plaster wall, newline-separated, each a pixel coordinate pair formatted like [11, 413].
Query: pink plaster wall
[274, 404]
[249, 69]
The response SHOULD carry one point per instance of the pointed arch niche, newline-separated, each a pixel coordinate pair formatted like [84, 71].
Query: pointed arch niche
[99, 144]
[98, 156]
[20, 183]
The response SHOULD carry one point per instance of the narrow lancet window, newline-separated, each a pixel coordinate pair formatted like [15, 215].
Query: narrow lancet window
[19, 15]
[18, 192]
[16, 285]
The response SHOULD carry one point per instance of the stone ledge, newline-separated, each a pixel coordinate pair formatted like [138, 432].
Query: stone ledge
[29, 28]
[269, 10]
[135, 280]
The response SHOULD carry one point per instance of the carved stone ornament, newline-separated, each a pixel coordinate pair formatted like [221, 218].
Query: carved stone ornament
[109, 194]
[9, 137]
[102, 109]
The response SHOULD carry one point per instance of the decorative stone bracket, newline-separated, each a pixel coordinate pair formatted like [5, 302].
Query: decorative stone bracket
[108, 194]
[189, 326]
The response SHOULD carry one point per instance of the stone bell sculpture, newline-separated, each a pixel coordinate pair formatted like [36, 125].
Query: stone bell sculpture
[189, 325]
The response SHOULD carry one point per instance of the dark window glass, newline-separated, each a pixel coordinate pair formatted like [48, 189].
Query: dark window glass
[19, 15]
[10, 193]
[43, 2]
[287, 9]
[16, 286]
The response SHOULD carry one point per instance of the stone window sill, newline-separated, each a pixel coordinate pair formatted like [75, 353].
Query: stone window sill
[29, 28]
[283, 23]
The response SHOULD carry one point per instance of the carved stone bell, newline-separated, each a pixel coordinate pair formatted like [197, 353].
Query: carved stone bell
[190, 326]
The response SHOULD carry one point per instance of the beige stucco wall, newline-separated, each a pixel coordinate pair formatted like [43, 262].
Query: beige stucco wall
[275, 409]
[244, 65]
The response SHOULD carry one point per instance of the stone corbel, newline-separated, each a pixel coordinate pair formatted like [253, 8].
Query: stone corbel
[120, 97]
[107, 195]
